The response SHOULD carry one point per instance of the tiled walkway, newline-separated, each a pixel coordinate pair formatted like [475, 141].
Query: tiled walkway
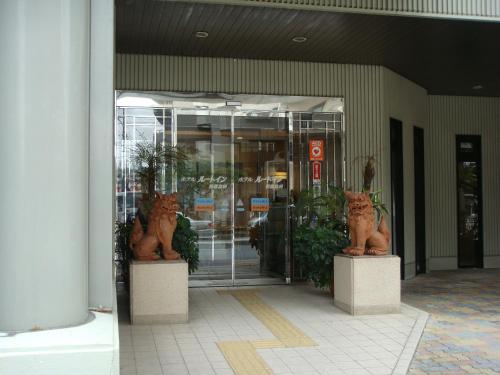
[463, 331]
[283, 330]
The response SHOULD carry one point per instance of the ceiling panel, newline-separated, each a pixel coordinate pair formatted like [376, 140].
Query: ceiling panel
[444, 56]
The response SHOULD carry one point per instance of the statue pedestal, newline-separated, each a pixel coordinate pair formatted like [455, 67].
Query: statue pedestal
[158, 291]
[367, 284]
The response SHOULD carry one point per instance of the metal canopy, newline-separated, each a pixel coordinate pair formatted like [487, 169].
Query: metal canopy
[444, 56]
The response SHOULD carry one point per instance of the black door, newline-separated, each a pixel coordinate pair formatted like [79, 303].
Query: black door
[397, 197]
[419, 174]
[469, 201]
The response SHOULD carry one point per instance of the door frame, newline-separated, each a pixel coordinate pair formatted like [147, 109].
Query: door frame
[397, 191]
[419, 191]
[232, 113]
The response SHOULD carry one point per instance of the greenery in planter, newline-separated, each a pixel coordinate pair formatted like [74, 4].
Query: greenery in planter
[322, 230]
[320, 234]
[185, 241]
[123, 254]
[153, 166]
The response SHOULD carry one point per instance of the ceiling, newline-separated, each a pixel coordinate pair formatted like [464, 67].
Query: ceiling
[444, 56]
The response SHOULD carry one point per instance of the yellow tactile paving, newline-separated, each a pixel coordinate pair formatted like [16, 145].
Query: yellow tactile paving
[267, 344]
[281, 327]
[243, 358]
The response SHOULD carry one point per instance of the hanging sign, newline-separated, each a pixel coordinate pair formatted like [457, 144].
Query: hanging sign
[224, 206]
[259, 204]
[204, 204]
[316, 169]
[316, 150]
[240, 207]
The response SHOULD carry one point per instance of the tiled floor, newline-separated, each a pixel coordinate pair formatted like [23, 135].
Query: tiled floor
[463, 331]
[340, 343]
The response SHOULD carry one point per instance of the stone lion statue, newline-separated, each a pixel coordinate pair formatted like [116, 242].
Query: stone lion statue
[366, 239]
[162, 221]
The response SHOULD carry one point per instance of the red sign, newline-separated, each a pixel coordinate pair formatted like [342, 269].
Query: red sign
[316, 150]
[316, 166]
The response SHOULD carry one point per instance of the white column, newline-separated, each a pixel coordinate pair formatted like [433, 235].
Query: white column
[101, 167]
[44, 151]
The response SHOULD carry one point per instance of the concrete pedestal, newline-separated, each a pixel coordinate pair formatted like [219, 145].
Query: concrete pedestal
[158, 292]
[367, 284]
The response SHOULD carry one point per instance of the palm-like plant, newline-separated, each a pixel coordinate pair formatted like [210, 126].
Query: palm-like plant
[150, 160]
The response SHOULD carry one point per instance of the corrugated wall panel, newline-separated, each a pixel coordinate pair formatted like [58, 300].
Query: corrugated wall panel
[477, 8]
[461, 115]
[372, 95]
[360, 85]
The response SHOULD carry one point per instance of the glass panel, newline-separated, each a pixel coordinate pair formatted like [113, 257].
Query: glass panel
[470, 251]
[468, 212]
[133, 126]
[235, 189]
[310, 171]
[321, 130]
[205, 188]
[261, 195]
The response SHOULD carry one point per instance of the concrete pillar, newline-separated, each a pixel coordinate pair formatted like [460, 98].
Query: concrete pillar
[44, 152]
[101, 167]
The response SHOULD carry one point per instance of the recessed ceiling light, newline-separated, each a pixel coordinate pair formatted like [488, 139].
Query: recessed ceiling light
[477, 87]
[299, 39]
[201, 34]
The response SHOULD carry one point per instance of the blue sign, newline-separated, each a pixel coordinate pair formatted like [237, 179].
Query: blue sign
[204, 204]
[259, 204]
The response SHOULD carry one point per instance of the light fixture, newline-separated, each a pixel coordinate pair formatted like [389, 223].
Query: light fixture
[201, 34]
[280, 175]
[477, 87]
[299, 39]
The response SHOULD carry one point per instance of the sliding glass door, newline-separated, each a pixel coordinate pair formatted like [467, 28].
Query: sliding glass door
[246, 156]
[261, 195]
[206, 190]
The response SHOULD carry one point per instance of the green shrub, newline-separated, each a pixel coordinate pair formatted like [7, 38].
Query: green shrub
[185, 242]
[321, 233]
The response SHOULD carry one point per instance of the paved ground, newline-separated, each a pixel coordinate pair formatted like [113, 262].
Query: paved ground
[463, 331]
[283, 330]
[462, 334]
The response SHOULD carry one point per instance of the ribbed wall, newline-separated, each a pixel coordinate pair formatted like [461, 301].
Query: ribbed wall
[372, 95]
[482, 8]
[361, 86]
[461, 115]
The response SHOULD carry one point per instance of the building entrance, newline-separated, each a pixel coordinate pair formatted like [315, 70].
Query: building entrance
[237, 185]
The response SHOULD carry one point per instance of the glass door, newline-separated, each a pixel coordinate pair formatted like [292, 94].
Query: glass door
[205, 189]
[247, 156]
[260, 196]
[469, 201]
[234, 191]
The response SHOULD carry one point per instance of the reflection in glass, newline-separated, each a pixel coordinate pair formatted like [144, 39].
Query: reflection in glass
[245, 165]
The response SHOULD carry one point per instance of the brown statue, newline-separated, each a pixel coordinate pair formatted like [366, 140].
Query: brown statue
[162, 222]
[365, 238]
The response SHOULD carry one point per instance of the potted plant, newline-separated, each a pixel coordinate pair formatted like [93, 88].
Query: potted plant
[322, 230]
[321, 233]
[154, 166]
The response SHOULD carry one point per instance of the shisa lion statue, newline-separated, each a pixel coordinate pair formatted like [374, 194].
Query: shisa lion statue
[162, 221]
[366, 239]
